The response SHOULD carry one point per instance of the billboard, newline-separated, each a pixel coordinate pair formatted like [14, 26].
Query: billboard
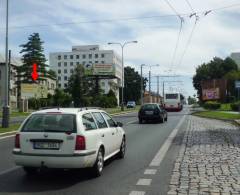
[33, 90]
[210, 94]
[99, 69]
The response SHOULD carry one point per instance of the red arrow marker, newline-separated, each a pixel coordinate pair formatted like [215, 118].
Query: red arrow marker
[34, 72]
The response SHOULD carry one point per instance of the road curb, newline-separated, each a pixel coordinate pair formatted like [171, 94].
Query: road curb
[122, 113]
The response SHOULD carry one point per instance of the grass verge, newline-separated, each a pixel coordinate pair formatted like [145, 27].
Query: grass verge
[217, 115]
[16, 114]
[13, 127]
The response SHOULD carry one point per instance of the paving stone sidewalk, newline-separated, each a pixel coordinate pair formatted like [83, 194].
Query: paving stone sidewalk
[209, 159]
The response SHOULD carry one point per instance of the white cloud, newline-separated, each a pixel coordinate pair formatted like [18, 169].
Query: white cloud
[217, 34]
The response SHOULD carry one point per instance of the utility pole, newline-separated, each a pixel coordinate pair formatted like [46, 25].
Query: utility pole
[158, 87]
[5, 118]
[142, 84]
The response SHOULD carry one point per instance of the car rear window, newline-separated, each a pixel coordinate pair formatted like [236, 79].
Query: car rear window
[149, 107]
[172, 96]
[50, 123]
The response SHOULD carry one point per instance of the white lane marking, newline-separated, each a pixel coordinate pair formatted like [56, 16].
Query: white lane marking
[137, 193]
[150, 171]
[7, 136]
[131, 122]
[9, 170]
[163, 150]
[7, 133]
[144, 182]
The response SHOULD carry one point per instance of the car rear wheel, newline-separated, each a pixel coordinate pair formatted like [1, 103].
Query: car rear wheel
[98, 166]
[161, 120]
[122, 151]
[166, 119]
[30, 170]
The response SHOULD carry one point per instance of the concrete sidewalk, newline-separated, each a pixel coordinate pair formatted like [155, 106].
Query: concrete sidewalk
[209, 159]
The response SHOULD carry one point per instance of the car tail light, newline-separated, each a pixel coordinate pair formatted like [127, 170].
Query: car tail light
[80, 143]
[17, 141]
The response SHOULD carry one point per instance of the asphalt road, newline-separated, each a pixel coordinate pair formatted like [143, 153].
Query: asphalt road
[119, 176]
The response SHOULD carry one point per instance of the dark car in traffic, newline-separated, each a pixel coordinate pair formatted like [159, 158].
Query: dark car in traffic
[152, 112]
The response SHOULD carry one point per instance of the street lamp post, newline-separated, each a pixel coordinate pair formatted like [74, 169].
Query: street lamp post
[122, 46]
[5, 119]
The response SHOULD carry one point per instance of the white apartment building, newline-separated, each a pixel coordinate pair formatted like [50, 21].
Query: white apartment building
[63, 63]
[236, 57]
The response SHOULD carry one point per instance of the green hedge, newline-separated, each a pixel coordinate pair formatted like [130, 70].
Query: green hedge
[235, 106]
[211, 105]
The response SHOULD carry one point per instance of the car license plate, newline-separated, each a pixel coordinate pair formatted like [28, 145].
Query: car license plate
[148, 112]
[46, 145]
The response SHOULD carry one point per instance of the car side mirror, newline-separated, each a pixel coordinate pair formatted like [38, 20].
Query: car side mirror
[119, 124]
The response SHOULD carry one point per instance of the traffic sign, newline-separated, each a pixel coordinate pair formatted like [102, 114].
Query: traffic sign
[237, 84]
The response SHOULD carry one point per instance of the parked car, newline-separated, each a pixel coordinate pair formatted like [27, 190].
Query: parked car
[68, 138]
[152, 112]
[131, 104]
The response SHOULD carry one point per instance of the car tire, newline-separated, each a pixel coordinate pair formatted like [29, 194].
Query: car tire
[166, 119]
[161, 120]
[30, 170]
[122, 151]
[98, 166]
[140, 121]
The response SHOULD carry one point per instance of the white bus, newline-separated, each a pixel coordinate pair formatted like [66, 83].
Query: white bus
[173, 102]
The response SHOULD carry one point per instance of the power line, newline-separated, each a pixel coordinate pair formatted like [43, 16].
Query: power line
[188, 42]
[125, 19]
[179, 33]
[189, 4]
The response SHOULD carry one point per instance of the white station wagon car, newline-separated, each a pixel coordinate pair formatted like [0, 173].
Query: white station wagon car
[68, 138]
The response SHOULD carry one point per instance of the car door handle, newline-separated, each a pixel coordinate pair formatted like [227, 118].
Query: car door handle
[102, 135]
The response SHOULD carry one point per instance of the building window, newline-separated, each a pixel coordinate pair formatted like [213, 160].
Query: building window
[78, 63]
[83, 56]
[59, 71]
[77, 56]
[71, 70]
[96, 62]
[96, 55]
[83, 62]
[103, 62]
[59, 57]
[65, 85]
[59, 78]
[59, 85]
[65, 78]
[90, 62]
[59, 64]
[71, 56]
[65, 70]
[65, 57]
[90, 56]
[52, 86]
[71, 63]
[102, 55]
[65, 63]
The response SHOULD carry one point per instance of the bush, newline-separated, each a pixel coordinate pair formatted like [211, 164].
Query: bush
[211, 105]
[235, 106]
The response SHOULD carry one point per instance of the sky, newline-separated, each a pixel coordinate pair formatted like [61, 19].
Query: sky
[154, 24]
